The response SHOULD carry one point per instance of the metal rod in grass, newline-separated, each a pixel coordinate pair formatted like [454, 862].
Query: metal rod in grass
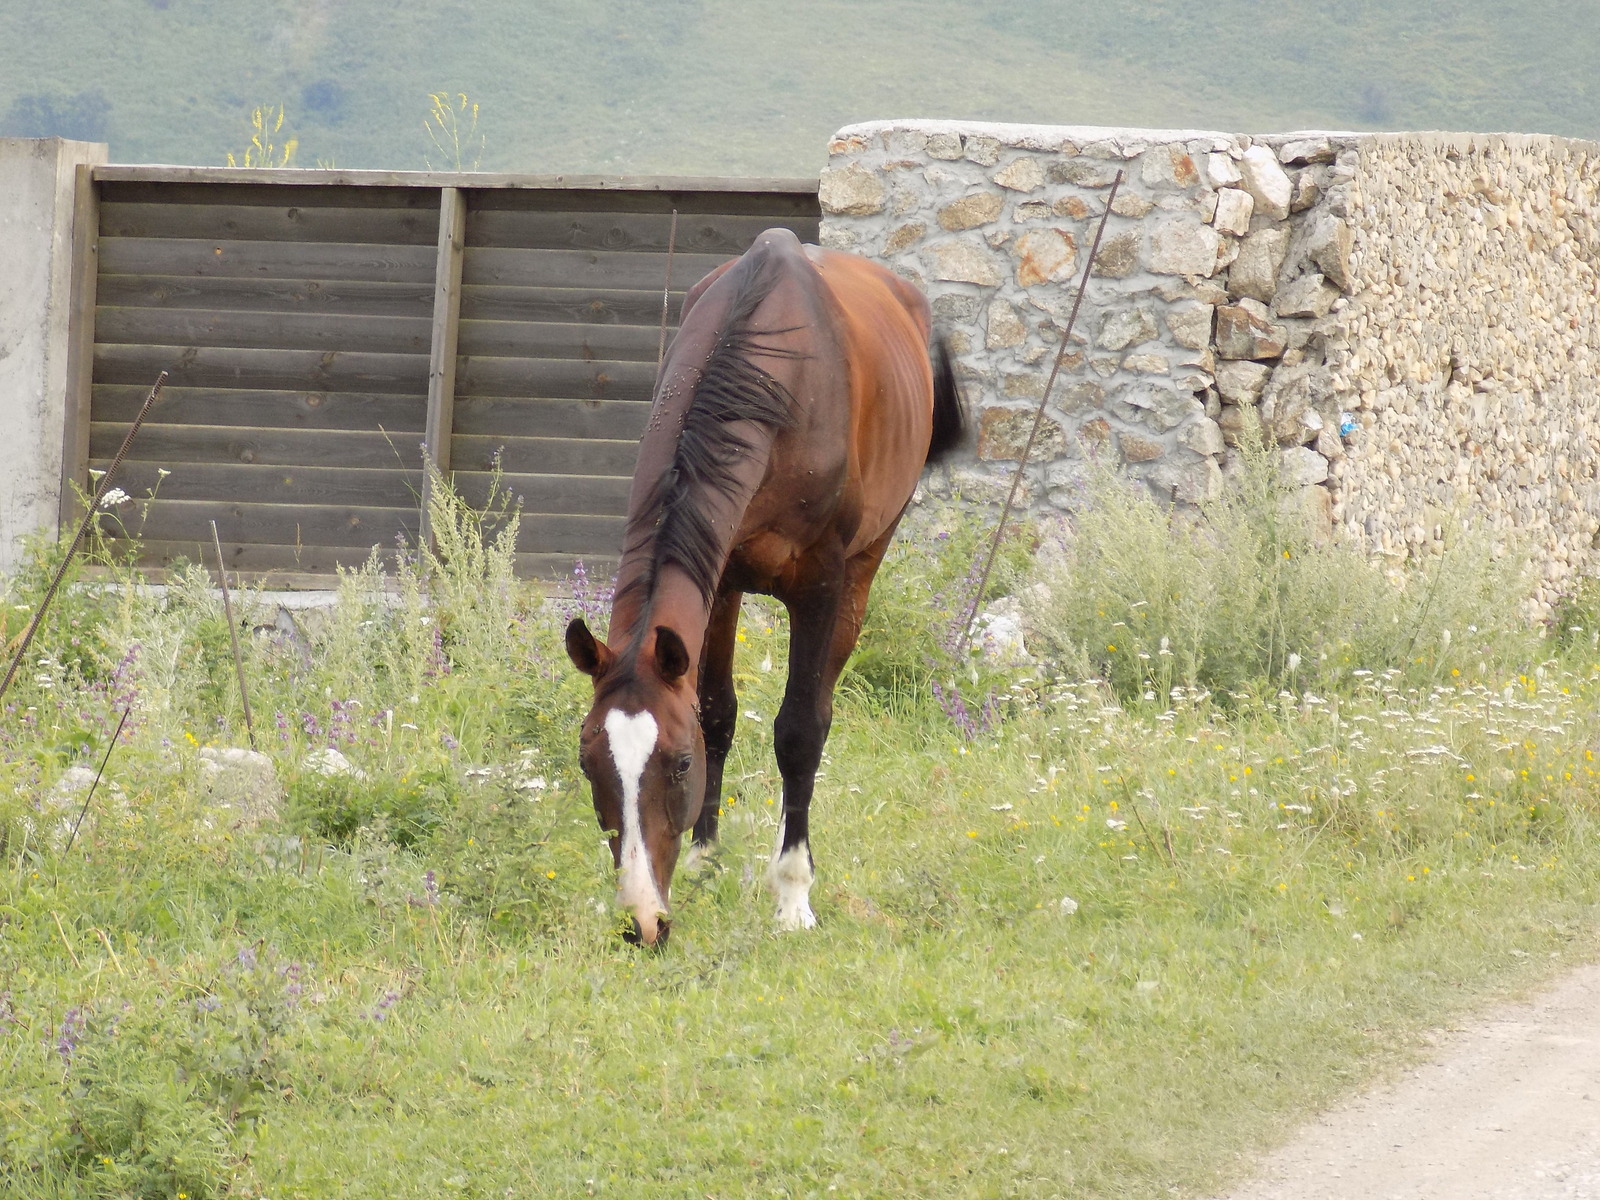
[233, 637]
[666, 292]
[82, 812]
[77, 540]
[1038, 420]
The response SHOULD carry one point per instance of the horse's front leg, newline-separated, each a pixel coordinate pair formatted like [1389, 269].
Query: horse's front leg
[719, 713]
[824, 625]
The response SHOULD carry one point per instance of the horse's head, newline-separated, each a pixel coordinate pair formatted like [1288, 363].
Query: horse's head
[641, 748]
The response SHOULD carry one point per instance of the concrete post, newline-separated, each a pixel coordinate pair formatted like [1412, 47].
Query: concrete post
[36, 204]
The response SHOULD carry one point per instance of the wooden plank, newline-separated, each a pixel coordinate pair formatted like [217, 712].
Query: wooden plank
[270, 370]
[169, 445]
[232, 259]
[596, 495]
[354, 296]
[555, 377]
[283, 222]
[80, 348]
[274, 524]
[549, 339]
[290, 566]
[261, 331]
[728, 234]
[608, 306]
[583, 268]
[780, 204]
[347, 525]
[446, 325]
[314, 567]
[545, 456]
[305, 177]
[269, 195]
[491, 416]
[266, 409]
[224, 482]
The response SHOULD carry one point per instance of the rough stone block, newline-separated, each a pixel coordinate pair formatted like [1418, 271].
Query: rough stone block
[1179, 247]
[1254, 272]
[853, 191]
[1303, 466]
[1267, 182]
[1003, 434]
[1119, 255]
[1307, 296]
[1241, 381]
[1021, 175]
[1189, 323]
[961, 261]
[1128, 327]
[969, 212]
[1137, 448]
[1005, 327]
[1234, 208]
[1044, 256]
[1243, 334]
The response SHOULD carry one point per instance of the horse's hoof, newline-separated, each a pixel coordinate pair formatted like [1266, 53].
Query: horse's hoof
[796, 916]
[700, 853]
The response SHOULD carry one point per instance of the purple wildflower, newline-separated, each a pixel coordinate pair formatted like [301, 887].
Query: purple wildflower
[73, 1024]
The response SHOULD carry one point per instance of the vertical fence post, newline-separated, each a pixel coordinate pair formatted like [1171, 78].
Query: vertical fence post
[442, 355]
[80, 344]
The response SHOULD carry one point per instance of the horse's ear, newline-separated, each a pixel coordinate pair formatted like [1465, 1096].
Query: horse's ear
[588, 654]
[672, 656]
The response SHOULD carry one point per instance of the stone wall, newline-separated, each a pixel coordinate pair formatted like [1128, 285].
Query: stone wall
[1411, 317]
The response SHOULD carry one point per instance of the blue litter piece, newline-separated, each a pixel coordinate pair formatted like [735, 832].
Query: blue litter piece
[1347, 425]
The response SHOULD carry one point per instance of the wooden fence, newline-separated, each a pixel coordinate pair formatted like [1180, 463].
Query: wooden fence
[326, 330]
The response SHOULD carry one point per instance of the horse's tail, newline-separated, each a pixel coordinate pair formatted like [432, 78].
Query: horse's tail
[949, 415]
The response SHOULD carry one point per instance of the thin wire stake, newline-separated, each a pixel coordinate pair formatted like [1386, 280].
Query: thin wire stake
[112, 746]
[666, 292]
[233, 637]
[83, 529]
[1038, 419]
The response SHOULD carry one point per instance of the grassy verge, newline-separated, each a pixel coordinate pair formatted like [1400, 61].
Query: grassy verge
[1101, 947]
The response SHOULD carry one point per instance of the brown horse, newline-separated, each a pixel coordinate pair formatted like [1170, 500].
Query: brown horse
[792, 416]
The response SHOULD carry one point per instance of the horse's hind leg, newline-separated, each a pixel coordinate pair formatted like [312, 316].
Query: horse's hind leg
[719, 712]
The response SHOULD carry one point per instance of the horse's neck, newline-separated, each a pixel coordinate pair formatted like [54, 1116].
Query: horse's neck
[673, 601]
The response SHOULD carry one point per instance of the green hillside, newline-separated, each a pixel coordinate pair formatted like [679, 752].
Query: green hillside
[695, 86]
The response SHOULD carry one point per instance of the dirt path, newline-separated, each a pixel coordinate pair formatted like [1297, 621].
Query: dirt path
[1508, 1107]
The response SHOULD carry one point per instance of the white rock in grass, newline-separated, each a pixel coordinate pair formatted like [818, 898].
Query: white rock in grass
[330, 762]
[1068, 905]
[998, 634]
[242, 782]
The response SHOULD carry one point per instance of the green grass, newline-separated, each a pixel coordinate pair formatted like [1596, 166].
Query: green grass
[1272, 900]
[757, 88]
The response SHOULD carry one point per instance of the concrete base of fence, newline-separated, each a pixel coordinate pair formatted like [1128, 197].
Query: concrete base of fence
[36, 205]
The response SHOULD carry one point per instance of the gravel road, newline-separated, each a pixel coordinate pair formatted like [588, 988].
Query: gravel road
[1508, 1108]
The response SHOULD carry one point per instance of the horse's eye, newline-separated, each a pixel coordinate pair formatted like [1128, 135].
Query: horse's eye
[684, 764]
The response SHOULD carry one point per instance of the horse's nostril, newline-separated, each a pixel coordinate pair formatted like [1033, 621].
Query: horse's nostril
[633, 934]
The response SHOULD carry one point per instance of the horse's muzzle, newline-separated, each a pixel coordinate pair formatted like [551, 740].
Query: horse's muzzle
[655, 938]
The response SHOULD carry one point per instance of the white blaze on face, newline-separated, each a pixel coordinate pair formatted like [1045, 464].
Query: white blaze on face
[633, 740]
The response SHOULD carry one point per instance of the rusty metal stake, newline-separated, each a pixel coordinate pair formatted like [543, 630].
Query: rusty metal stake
[233, 637]
[1038, 419]
[84, 810]
[83, 529]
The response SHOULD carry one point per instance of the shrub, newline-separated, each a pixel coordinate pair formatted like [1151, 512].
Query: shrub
[1247, 598]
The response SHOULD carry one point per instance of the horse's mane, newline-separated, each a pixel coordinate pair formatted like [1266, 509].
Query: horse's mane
[731, 389]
